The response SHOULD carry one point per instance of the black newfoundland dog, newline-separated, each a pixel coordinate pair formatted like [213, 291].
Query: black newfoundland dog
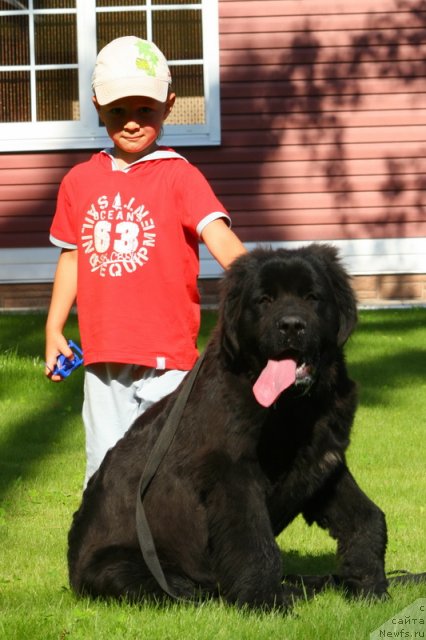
[262, 439]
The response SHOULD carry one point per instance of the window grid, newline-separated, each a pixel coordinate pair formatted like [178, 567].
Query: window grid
[195, 119]
[32, 67]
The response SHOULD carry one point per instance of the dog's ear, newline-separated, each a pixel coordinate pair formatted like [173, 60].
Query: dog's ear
[341, 285]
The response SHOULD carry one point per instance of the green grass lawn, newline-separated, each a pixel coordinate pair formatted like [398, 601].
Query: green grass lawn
[41, 474]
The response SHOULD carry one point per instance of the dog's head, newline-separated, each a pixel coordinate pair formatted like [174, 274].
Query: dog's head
[283, 313]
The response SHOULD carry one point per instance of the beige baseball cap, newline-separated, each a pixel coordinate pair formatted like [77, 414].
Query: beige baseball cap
[130, 66]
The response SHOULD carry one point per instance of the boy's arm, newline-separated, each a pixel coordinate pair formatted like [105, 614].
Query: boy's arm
[63, 297]
[222, 242]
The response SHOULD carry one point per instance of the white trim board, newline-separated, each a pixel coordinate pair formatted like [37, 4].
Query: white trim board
[378, 256]
[361, 257]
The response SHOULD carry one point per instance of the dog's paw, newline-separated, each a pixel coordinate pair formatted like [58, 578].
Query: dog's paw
[365, 588]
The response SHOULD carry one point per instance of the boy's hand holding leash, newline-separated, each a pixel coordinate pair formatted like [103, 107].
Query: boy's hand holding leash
[67, 358]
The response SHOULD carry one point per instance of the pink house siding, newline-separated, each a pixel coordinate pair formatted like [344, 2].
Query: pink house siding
[28, 188]
[323, 108]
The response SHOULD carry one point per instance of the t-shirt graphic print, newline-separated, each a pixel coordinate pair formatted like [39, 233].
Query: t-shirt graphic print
[117, 236]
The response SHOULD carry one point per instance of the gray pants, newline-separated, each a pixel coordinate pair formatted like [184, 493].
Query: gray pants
[114, 396]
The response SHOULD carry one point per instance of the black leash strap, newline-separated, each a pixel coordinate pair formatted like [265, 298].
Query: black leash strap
[319, 583]
[157, 454]
[402, 576]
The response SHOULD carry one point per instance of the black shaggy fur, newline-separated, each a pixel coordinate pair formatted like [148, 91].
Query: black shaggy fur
[237, 473]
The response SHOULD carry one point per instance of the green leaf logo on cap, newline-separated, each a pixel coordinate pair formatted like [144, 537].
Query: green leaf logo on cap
[147, 59]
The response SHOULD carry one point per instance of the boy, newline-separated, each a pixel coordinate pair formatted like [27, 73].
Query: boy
[129, 221]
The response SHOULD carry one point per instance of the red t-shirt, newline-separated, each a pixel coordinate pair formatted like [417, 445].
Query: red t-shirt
[137, 234]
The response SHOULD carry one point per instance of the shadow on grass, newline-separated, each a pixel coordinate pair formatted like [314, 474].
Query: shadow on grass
[23, 333]
[31, 439]
[390, 321]
[379, 377]
[295, 563]
[386, 352]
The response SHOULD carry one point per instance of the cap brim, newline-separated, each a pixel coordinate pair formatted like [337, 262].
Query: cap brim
[123, 87]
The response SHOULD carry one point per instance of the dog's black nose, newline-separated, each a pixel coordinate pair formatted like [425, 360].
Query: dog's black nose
[291, 325]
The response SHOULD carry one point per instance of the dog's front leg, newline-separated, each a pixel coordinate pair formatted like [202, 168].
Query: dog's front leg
[359, 527]
[244, 556]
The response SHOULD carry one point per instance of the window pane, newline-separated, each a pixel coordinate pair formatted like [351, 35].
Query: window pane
[119, 3]
[14, 49]
[6, 5]
[114, 25]
[55, 39]
[54, 4]
[178, 34]
[15, 101]
[176, 1]
[188, 83]
[57, 95]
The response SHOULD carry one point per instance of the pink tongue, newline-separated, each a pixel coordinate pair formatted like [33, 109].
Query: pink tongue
[275, 377]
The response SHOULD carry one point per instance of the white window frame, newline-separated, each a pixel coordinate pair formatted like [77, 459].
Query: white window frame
[86, 132]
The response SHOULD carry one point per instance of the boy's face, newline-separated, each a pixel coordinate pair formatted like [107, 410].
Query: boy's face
[134, 123]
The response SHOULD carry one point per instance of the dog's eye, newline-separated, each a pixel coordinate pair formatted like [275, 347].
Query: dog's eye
[312, 297]
[264, 300]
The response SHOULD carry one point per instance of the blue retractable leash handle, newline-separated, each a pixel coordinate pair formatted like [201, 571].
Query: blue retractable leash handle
[65, 366]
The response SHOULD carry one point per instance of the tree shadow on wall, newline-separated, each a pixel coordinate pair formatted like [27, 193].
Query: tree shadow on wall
[314, 95]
